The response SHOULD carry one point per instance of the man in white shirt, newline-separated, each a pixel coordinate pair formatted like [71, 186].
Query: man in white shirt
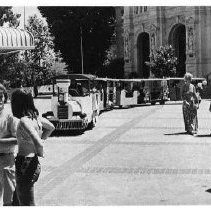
[8, 126]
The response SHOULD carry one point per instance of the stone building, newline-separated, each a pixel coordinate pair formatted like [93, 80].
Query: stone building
[140, 30]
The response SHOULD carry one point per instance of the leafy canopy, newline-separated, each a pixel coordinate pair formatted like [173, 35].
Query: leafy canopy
[41, 60]
[33, 67]
[7, 16]
[94, 24]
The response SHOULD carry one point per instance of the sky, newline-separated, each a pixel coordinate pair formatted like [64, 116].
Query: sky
[29, 11]
[105, 3]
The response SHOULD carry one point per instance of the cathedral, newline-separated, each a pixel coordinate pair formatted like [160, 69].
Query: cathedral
[142, 29]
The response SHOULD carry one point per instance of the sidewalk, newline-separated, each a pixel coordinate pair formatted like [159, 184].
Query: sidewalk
[136, 156]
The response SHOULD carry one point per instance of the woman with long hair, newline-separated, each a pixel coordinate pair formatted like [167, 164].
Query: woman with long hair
[190, 105]
[30, 130]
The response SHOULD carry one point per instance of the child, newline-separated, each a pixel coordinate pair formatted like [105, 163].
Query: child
[31, 129]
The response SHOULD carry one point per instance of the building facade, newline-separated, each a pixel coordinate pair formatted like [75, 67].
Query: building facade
[140, 30]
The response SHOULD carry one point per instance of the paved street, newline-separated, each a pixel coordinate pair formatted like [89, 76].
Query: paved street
[136, 156]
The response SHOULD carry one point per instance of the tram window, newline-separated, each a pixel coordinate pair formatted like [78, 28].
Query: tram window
[79, 89]
[84, 87]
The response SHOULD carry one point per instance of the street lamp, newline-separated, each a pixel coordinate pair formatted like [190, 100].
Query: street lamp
[24, 17]
[82, 56]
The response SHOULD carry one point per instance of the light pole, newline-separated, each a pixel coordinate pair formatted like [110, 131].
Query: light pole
[82, 56]
[24, 17]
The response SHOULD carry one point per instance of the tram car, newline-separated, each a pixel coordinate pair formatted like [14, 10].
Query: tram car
[75, 103]
[151, 90]
[126, 95]
[158, 90]
[105, 88]
[118, 93]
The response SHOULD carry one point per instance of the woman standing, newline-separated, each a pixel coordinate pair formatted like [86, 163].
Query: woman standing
[190, 105]
[30, 130]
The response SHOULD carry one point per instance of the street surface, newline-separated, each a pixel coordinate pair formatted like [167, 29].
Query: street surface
[136, 156]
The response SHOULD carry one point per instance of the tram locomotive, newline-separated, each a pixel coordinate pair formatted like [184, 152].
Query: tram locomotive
[75, 106]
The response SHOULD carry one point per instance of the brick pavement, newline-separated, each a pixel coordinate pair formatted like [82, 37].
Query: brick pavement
[137, 156]
[144, 160]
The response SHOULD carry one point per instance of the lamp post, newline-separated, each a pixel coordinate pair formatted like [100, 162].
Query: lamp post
[82, 56]
[24, 17]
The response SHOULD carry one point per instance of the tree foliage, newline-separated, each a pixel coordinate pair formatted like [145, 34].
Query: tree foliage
[114, 69]
[41, 60]
[7, 16]
[33, 67]
[94, 24]
[163, 62]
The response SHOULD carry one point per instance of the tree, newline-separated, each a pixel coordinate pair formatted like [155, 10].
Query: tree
[43, 57]
[33, 67]
[95, 25]
[163, 62]
[114, 69]
[7, 16]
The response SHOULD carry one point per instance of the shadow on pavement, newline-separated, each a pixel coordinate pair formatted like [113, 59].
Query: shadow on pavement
[66, 133]
[209, 191]
[205, 135]
[172, 134]
[174, 103]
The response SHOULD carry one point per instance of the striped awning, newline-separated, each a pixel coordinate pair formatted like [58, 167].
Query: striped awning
[12, 40]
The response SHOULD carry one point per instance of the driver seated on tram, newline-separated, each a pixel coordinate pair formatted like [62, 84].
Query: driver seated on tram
[75, 89]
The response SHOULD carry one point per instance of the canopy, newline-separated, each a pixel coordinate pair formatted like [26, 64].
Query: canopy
[12, 40]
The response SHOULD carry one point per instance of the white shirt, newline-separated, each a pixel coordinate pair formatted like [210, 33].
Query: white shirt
[8, 127]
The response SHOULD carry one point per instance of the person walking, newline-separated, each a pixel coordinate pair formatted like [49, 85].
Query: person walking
[30, 130]
[8, 126]
[190, 105]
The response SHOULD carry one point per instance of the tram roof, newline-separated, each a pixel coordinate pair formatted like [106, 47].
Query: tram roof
[77, 76]
[158, 79]
[13, 40]
[107, 79]
[141, 80]
[182, 78]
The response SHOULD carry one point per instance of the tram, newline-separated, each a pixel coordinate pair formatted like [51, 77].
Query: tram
[79, 99]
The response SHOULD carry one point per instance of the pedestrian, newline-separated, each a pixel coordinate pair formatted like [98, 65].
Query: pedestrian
[8, 126]
[30, 130]
[190, 105]
[200, 89]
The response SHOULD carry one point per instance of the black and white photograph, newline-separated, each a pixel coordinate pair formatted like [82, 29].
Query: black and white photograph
[105, 105]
